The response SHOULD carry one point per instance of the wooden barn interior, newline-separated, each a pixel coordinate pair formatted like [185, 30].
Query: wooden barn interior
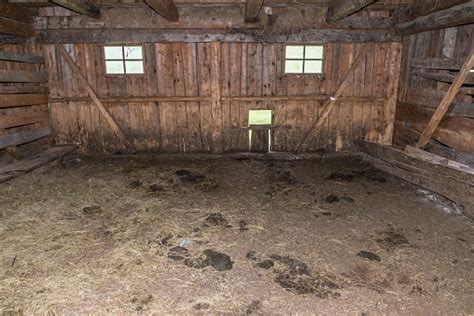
[236, 157]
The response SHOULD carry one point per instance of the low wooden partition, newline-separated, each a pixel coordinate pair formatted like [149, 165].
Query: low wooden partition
[448, 178]
[24, 113]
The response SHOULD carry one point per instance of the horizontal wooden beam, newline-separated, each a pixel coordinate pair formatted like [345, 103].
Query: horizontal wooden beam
[339, 9]
[15, 100]
[165, 8]
[22, 76]
[29, 88]
[457, 15]
[422, 8]
[417, 114]
[16, 12]
[406, 133]
[79, 7]
[462, 105]
[13, 27]
[443, 77]
[24, 137]
[319, 97]
[437, 160]
[16, 120]
[207, 35]
[145, 99]
[437, 63]
[21, 57]
[206, 17]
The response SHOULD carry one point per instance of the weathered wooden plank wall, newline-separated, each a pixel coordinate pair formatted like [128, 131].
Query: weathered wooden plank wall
[23, 105]
[215, 76]
[419, 96]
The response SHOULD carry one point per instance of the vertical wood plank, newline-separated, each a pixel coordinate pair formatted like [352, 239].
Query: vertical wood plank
[391, 93]
[216, 100]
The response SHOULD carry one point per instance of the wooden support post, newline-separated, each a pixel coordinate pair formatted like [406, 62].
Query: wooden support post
[446, 102]
[339, 9]
[166, 8]
[21, 58]
[454, 16]
[252, 9]
[10, 75]
[391, 94]
[330, 103]
[75, 69]
[216, 98]
[79, 7]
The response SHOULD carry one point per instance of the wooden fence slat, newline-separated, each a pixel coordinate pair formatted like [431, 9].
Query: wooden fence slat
[22, 76]
[15, 100]
[21, 57]
[9, 121]
[24, 137]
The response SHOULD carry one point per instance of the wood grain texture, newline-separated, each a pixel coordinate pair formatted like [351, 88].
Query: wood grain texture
[446, 102]
[419, 94]
[113, 124]
[195, 97]
[456, 185]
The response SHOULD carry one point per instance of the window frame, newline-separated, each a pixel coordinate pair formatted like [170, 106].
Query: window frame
[123, 60]
[323, 61]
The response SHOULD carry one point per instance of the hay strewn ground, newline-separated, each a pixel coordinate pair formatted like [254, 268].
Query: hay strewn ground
[93, 235]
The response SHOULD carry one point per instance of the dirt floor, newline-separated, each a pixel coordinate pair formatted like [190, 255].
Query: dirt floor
[142, 234]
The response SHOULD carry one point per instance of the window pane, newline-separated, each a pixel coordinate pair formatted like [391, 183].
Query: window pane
[313, 66]
[114, 67]
[133, 52]
[113, 52]
[293, 51]
[314, 52]
[293, 66]
[134, 67]
[260, 117]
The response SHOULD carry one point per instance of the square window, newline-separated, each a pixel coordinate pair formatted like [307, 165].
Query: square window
[113, 52]
[294, 66]
[133, 52]
[295, 52]
[314, 52]
[120, 60]
[114, 67]
[304, 59]
[313, 66]
[133, 67]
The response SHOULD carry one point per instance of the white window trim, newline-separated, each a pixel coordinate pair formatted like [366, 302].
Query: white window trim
[123, 60]
[323, 60]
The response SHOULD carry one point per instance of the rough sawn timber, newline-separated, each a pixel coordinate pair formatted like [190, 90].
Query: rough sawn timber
[445, 180]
